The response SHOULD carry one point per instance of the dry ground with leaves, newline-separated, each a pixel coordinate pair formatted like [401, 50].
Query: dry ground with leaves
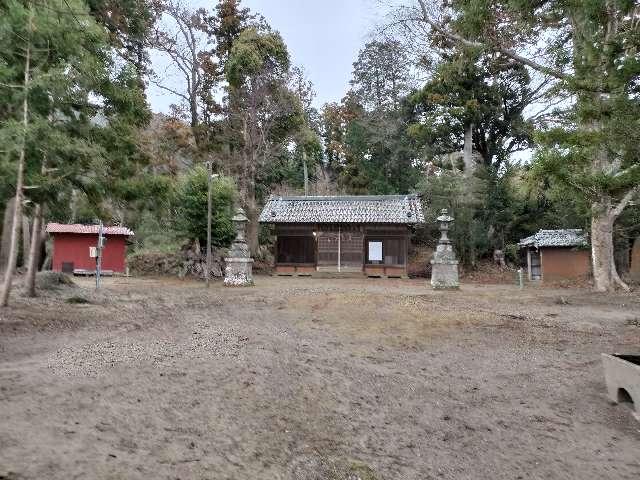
[301, 378]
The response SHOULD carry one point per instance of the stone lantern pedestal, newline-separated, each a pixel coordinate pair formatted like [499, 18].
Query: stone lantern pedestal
[239, 269]
[444, 265]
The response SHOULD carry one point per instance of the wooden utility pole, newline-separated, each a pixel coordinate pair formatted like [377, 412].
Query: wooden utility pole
[207, 273]
[17, 210]
[210, 177]
[99, 254]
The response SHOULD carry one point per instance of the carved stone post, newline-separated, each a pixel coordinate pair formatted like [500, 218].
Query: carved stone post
[239, 269]
[444, 266]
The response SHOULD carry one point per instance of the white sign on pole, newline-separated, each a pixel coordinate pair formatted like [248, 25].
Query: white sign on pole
[93, 252]
[375, 251]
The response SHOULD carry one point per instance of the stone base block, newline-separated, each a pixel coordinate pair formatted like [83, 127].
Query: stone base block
[444, 275]
[239, 272]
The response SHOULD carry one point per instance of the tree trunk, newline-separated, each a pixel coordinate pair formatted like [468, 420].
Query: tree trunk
[34, 252]
[15, 233]
[26, 240]
[251, 138]
[7, 224]
[253, 228]
[602, 247]
[621, 251]
[195, 121]
[17, 211]
[305, 172]
[616, 278]
[467, 151]
[252, 208]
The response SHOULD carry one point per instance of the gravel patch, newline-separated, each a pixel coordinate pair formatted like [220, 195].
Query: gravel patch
[96, 358]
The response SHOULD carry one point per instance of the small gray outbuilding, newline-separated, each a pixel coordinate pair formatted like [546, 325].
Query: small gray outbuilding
[554, 255]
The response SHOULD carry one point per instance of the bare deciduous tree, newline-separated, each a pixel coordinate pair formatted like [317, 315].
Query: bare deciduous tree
[180, 36]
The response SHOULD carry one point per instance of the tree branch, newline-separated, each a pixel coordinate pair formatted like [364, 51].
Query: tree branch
[627, 170]
[474, 44]
[163, 87]
[624, 201]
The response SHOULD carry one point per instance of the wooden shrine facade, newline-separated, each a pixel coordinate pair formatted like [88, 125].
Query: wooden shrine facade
[374, 250]
[377, 247]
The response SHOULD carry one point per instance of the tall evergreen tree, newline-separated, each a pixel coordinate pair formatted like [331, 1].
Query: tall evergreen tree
[257, 71]
[365, 136]
[476, 92]
[382, 75]
[128, 23]
[591, 48]
[308, 150]
[67, 125]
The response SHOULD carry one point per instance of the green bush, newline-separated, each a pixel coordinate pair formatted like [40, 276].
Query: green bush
[462, 197]
[191, 207]
[157, 235]
[512, 254]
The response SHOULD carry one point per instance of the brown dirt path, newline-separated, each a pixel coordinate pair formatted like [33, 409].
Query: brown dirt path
[314, 379]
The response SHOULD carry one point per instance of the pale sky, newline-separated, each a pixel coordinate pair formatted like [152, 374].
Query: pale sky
[323, 36]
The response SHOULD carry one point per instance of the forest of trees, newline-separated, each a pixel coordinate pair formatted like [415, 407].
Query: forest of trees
[515, 115]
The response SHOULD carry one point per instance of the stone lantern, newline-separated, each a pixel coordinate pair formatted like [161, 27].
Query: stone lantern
[444, 265]
[239, 269]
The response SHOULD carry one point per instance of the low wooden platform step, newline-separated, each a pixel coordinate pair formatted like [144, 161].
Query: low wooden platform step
[320, 274]
[337, 275]
[388, 276]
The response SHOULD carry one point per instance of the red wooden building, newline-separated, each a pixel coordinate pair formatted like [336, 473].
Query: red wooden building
[72, 245]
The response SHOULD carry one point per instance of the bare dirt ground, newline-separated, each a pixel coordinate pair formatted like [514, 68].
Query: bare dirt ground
[314, 379]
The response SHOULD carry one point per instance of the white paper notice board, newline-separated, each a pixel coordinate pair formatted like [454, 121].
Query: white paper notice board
[375, 251]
